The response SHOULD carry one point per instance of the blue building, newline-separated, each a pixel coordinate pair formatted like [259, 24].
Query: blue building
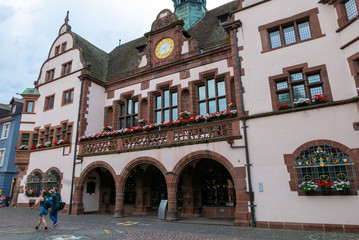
[10, 115]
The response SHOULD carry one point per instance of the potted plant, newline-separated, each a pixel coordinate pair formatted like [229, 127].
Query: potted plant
[31, 193]
[325, 186]
[185, 115]
[319, 98]
[23, 147]
[300, 102]
[342, 187]
[309, 187]
[283, 106]
[107, 128]
[47, 144]
[142, 122]
[232, 106]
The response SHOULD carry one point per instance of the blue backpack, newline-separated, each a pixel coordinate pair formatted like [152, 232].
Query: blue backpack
[48, 202]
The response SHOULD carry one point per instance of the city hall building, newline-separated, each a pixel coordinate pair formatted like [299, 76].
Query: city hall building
[248, 111]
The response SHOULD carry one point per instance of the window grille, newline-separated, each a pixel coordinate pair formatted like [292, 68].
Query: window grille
[34, 184]
[51, 180]
[324, 166]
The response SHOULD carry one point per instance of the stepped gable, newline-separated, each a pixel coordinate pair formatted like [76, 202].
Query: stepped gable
[123, 59]
[208, 32]
[97, 58]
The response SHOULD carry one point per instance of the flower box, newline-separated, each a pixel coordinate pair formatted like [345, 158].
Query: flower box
[345, 192]
[185, 115]
[142, 122]
[320, 98]
[301, 102]
[283, 106]
[232, 106]
[159, 126]
[107, 128]
[310, 192]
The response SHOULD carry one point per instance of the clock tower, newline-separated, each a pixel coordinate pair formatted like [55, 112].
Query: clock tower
[190, 11]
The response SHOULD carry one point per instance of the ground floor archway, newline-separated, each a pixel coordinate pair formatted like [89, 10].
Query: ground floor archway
[206, 189]
[202, 184]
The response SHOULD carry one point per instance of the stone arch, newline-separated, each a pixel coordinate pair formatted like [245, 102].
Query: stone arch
[138, 161]
[120, 186]
[181, 165]
[94, 165]
[36, 170]
[79, 182]
[238, 174]
[320, 142]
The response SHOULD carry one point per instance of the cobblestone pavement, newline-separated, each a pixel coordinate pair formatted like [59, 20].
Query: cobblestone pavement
[18, 224]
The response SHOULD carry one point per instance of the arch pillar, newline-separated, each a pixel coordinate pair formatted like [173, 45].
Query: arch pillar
[172, 197]
[241, 215]
[119, 208]
[77, 205]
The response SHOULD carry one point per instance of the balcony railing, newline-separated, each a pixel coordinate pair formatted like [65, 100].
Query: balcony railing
[205, 132]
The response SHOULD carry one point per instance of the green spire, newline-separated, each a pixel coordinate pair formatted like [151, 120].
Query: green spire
[190, 11]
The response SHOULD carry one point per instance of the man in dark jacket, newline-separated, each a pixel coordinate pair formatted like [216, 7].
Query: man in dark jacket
[56, 198]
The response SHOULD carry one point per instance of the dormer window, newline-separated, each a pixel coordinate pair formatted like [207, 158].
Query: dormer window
[63, 47]
[223, 19]
[13, 108]
[57, 50]
[141, 49]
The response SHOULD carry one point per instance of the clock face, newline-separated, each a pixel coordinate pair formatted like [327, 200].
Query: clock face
[164, 48]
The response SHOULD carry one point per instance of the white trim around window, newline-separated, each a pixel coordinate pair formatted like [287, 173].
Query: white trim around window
[2, 156]
[5, 131]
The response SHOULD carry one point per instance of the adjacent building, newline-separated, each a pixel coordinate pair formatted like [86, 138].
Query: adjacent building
[10, 115]
[244, 111]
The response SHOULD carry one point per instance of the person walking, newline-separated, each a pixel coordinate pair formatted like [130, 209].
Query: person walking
[43, 211]
[3, 201]
[56, 199]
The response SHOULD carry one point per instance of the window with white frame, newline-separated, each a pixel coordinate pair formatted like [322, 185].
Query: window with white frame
[2, 156]
[5, 130]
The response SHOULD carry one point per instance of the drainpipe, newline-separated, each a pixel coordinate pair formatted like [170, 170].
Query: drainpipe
[75, 150]
[248, 164]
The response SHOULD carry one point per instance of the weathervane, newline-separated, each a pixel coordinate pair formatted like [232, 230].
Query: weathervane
[67, 18]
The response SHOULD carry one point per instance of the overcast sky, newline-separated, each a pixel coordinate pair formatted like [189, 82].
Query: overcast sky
[29, 27]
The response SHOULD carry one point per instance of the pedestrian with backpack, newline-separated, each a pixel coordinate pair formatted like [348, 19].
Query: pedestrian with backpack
[56, 199]
[45, 203]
